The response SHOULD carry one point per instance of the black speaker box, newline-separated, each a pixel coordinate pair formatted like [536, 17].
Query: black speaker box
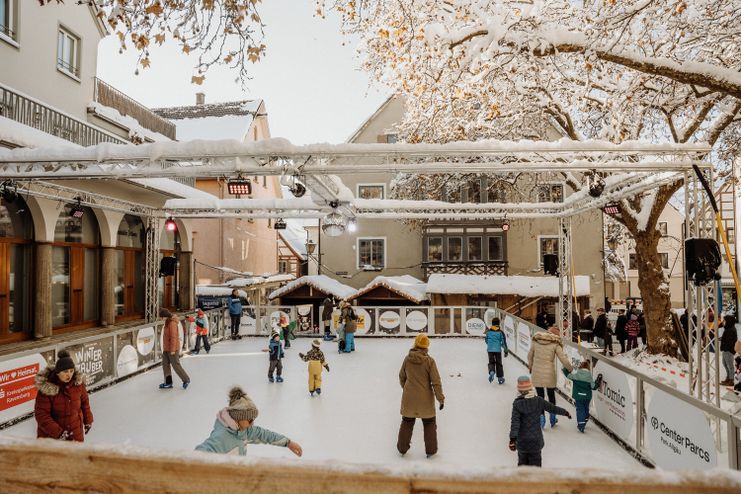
[550, 264]
[702, 260]
[168, 266]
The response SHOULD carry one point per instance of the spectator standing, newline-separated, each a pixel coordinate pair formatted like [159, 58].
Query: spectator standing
[620, 332]
[727, 347]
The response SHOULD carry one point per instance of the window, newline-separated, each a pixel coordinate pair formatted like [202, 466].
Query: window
[7, 19]
[474, 249]
[547, 245]
[68, 56]
[664, 260]
[129, 289]
[632, 261]
[434, 249]
[496, 251]
[16, 249]
[283, 267]
[549, 192]
[473, 190]
[391, 138]
[663, 228]
[455, 248]
[371, 191]
[371, 253]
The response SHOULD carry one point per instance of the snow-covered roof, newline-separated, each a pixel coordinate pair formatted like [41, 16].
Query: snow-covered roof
[174, 188]
[295, 237]
[321, 282]
[527, 286]
[256, 280]
[135, 128]
[217, 291]
[24, 136]
[228, 120]
[406, 286]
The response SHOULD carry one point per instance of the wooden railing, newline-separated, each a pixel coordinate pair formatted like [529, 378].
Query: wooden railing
[30, 112]
[107, 95]
[57, 466]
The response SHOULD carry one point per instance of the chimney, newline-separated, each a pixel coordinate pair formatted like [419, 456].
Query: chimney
[200, 98]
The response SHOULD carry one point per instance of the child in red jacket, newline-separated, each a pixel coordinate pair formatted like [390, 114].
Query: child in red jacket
[633, 327]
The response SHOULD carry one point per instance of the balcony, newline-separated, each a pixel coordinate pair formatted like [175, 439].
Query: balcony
[107, 95]
[465, 267]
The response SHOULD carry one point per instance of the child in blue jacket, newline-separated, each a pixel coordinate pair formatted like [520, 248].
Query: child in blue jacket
[581, 391]
[496, 343]
[234, 429]
[275, 349]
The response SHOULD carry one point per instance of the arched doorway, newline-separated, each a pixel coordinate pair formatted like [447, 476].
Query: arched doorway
[16, 257]
[130, 269]
[75, 270]
[167, 286]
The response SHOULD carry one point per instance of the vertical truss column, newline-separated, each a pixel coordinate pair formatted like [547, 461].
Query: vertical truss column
[565, 289]
[151, 274]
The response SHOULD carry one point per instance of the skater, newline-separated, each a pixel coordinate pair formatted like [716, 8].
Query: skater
[62, 408]
[633, 328]
[202, 332]
[544, 348]
[235, 313]
[171, 350]
[349, 317]
[525, 436]
[234, 428]
[581, 391]
[620, 332]
[421, 384]
[327, 309]
[285, 330]
[315, 358]
[275, 350]
[496, 343]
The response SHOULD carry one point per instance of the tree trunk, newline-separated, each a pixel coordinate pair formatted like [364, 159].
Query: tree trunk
[655, 293]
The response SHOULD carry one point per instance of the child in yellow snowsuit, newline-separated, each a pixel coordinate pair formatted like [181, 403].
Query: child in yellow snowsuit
[315, 358]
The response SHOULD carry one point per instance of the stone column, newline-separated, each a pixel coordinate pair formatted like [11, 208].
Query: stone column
[185, 281]
[43, 304]
[108, 279]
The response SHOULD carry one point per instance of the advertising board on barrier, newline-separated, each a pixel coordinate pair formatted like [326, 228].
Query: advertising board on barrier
[363, 322]
[416, 320]
[679, 434]
[475, 326]
[508, 328]
[145, 340]
[613, 400]
[95, 359]
[523, 340]
[17, 388]
[128, 361]
[389, 321]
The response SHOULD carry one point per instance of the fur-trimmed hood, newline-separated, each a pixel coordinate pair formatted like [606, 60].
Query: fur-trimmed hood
[545, 338]
[48, 388]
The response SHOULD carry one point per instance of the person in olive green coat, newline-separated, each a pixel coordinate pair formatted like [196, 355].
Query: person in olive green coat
[421, 384]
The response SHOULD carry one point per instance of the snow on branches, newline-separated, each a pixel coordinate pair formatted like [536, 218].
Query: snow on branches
[219, 32]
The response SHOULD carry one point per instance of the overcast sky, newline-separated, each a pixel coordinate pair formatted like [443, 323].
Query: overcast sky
[311, 84]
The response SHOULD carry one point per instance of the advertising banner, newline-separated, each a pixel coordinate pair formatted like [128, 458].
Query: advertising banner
[523, 340]
[475, 326]
[508, 328]
[364, 323]
[489, 315]
[17, 388]
[613, 401]
[679, 434]
[128, 361]
[94, 359]
[415, 321]
[389, 321]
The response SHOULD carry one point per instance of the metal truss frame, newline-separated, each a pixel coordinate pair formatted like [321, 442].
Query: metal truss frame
[151, 260]
[565, 279]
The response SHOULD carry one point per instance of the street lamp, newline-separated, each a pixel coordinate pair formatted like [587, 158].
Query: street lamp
[310, 248]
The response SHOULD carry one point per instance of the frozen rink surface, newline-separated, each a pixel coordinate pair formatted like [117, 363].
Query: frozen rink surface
[355, 420]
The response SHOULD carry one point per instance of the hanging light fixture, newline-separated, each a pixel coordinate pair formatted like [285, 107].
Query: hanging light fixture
[334, 223]
[170, 225]
[239, 186]
[76, 211]
[280, 224]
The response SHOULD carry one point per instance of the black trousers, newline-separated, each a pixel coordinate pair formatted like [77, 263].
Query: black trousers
[275, 366]
[551, 395]
[206, 344]
[622, 346]
[495, 363]
[529, 459]
[235, 325]
[405, 435]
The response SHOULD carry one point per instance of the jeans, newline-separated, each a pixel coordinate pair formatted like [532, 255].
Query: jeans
[286, 337]
[551, 398]
[495, 363]
[529, 458]
[349, 342]
[405, 435]
[582, 413]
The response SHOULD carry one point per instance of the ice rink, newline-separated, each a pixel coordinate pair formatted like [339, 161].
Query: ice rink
[355, 420]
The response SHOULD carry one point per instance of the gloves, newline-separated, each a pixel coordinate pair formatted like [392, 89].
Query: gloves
[506, 352]
[326, 366]
[512, 445]
[66, 436]
[598, 381]
[442, 404]
[301, 355]
[568, 415]
[88, 427]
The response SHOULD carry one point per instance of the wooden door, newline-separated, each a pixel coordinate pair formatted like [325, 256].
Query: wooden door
[4, 288]
[77, 284]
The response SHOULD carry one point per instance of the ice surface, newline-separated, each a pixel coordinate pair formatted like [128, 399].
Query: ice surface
[355, 420]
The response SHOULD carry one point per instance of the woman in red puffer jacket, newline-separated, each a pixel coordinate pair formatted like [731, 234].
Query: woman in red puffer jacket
[62, 407]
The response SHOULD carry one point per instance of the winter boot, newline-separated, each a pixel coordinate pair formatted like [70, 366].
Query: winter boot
[501, 380]
[311, 393]
[166, 386]
[542, 422]
[185, 384]
[318, 391]
[581, 428]
[491, 376]
[554, 420]
[279, 379]
[271, 379]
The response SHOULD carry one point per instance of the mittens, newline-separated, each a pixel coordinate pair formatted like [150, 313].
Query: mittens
[66, 436]
[442, 404]
[512, 445]
[326, 366]
[301, 355]
[88, 427]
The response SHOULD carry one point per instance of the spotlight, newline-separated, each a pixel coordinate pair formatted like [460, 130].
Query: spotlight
[9, 195]
[298, 189]
[77, 212]
[596, 186]
[352, 225]
[239, 186]
[611, 209]
[505, 226]
[280, 225]
[170, 225]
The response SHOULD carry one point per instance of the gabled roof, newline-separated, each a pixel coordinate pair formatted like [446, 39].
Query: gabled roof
[295, 240]
[228, 120]
[526, 286]
[320, 282]
[406, 286]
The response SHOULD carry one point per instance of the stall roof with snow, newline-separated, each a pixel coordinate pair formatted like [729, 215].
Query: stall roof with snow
[389, 288]
[313, 286]
[524, 286]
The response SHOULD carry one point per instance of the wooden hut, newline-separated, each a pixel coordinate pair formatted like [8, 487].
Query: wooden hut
[392, 291]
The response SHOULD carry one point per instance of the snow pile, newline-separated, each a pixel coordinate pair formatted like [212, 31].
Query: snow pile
[25, 136]
[320, 282]
[526, 286]
[125, 121]
[406, 285]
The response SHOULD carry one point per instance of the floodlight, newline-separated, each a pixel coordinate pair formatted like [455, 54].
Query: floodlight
[280, 225]
[611, 209]
[170, 225]
[239, 186]
[76, 211]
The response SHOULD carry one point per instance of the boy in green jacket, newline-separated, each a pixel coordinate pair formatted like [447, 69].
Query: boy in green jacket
[581, 391]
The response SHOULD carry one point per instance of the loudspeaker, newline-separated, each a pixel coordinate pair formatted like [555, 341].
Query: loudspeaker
[702, 260]
[168, 266]
[550, 264]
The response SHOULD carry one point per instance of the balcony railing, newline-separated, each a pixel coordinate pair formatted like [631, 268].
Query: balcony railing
[465, 267]
[28, 111]
[107, 95]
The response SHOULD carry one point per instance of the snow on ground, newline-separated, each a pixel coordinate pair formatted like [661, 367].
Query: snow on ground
[355, 420]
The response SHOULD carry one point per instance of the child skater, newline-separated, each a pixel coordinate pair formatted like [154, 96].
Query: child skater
[275, 350]
[525, 434]
[315, 358]
[496, 342]
[202, 332]
[581, 391]
[234, 428]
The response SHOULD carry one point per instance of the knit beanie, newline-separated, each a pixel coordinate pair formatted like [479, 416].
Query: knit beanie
[422, 341]
[524, 384]
[64, 362]
[165, 313]
[316, 343]
[241, 407]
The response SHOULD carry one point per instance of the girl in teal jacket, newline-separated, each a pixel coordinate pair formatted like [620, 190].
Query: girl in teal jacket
[581, 391]
[234, 429]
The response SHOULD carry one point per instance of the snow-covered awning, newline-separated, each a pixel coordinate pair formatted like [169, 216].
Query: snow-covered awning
[320, 282]
[258, 280]
[406, 286]
[526, 286]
